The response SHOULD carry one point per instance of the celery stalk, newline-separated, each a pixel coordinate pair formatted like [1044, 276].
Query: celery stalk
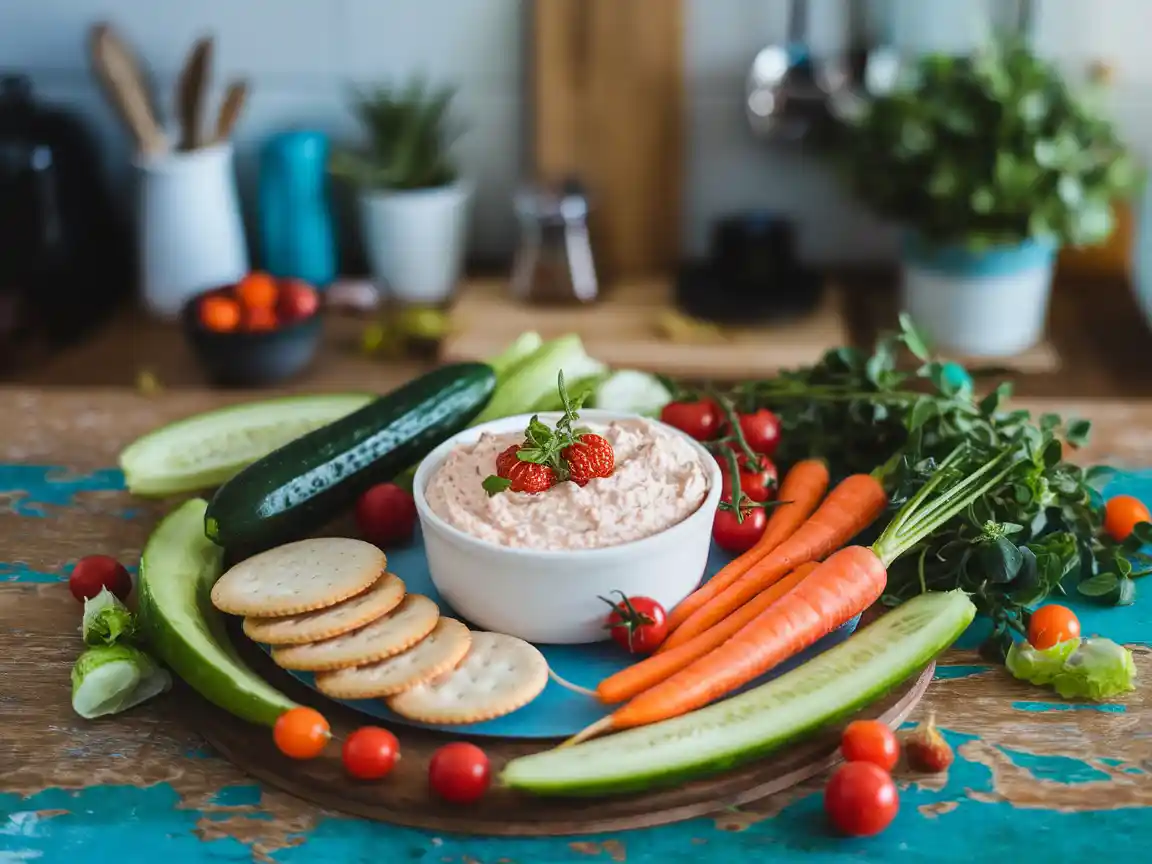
[507, 362]
[534, 379]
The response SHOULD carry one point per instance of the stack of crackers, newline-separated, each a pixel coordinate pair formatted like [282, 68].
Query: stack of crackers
[330, 606]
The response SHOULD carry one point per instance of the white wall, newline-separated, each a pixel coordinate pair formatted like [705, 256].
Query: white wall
[301, 55]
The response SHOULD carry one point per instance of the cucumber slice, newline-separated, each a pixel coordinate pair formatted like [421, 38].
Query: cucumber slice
[182, 627]
[831, 686]
[203, 451]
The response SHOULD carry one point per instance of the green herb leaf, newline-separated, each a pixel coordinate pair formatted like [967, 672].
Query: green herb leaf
[1125, 593]
[1099, 585]
[494, 485]
[914, 339]
[922, 411]
[1142, 531]
[1077, 432]
[1098, 476]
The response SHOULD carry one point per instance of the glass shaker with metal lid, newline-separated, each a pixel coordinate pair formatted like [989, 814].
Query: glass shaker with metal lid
[554, 263]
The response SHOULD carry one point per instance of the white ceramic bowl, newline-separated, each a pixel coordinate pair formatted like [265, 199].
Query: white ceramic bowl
[550, 596]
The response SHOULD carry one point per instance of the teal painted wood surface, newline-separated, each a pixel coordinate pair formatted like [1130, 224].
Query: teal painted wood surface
[1056, 795]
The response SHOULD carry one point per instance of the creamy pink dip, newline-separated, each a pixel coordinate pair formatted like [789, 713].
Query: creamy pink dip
[659, 481]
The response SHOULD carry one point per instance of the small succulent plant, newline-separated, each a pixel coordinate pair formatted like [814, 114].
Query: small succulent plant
[410, 133]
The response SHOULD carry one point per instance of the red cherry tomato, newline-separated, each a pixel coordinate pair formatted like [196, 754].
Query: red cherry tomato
[370, 753]
[459, 773]
[301, 733]
[870, 741]
[1052, 624]
[638, 624]
[761, 430]
[736, 537]
[298, 300]
[757, 482]
[1122, 513]
[386, 515]
[95, 572]
[699, 419]
[861, 799]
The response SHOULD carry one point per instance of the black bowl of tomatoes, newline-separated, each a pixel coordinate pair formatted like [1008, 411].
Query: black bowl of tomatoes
[258, 332]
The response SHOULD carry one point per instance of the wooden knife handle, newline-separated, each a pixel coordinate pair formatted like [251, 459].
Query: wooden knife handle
[230, 110]
[191, 94]
[124, 84]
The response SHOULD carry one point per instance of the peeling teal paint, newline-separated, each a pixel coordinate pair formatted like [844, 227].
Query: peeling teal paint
[946, 673]
[20, 572]
[31, 489]
[1107, 708]
[945, 824]
[118, 823]
[237, 796]
[1060, 769]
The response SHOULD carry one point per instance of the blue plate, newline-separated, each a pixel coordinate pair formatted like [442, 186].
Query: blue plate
[556, 712]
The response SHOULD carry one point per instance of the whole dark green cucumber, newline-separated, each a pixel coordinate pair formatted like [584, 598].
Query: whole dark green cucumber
[299, 488]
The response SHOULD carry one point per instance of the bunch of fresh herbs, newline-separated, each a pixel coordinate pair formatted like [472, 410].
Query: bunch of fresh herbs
[1038, 532]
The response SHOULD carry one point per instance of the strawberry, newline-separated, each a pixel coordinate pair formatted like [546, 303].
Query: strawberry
[506, 460]
[531, 478]
[591, 456]
[551, 455]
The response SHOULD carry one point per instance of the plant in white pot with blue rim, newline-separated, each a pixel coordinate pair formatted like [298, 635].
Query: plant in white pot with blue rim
[990, 163]
[413, 202]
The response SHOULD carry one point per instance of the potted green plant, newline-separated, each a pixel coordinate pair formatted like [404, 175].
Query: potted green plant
[413, 203]
[990, 163]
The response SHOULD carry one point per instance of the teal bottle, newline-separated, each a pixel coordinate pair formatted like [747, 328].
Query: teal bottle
[294, 210]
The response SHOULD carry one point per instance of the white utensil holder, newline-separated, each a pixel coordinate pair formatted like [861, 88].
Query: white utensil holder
[189, 228]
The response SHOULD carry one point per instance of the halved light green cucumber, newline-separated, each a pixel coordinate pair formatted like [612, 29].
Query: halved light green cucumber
[204, 450]
[183, 628]
[833, 685]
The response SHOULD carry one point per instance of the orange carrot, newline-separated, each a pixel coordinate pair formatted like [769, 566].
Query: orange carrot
[843, 586]
[836, 590]
[849, 509]
[652, 670]
[803, 487]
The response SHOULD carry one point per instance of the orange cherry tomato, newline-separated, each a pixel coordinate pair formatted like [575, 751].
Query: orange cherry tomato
[301, 733]
[221, 314]
[1123, 513]
[1051, 625]
[257, 291]
[257, 318]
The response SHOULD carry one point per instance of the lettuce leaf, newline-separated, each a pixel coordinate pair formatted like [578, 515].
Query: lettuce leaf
[1078, 668]
[106, 620]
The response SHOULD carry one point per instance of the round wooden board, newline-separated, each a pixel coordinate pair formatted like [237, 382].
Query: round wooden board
[403, 797]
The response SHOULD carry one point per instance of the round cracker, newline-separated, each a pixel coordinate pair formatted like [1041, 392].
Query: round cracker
[435, 654]
[299, 577]
[498, 675]
[397, 631]
[355, 612]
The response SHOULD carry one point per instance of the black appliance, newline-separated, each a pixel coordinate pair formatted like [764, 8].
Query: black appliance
[65, 255]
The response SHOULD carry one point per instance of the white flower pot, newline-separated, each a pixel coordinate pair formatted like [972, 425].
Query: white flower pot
[415, 240]
[992, 303]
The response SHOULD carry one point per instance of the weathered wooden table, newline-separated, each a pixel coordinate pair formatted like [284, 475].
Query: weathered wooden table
[1035, 776]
